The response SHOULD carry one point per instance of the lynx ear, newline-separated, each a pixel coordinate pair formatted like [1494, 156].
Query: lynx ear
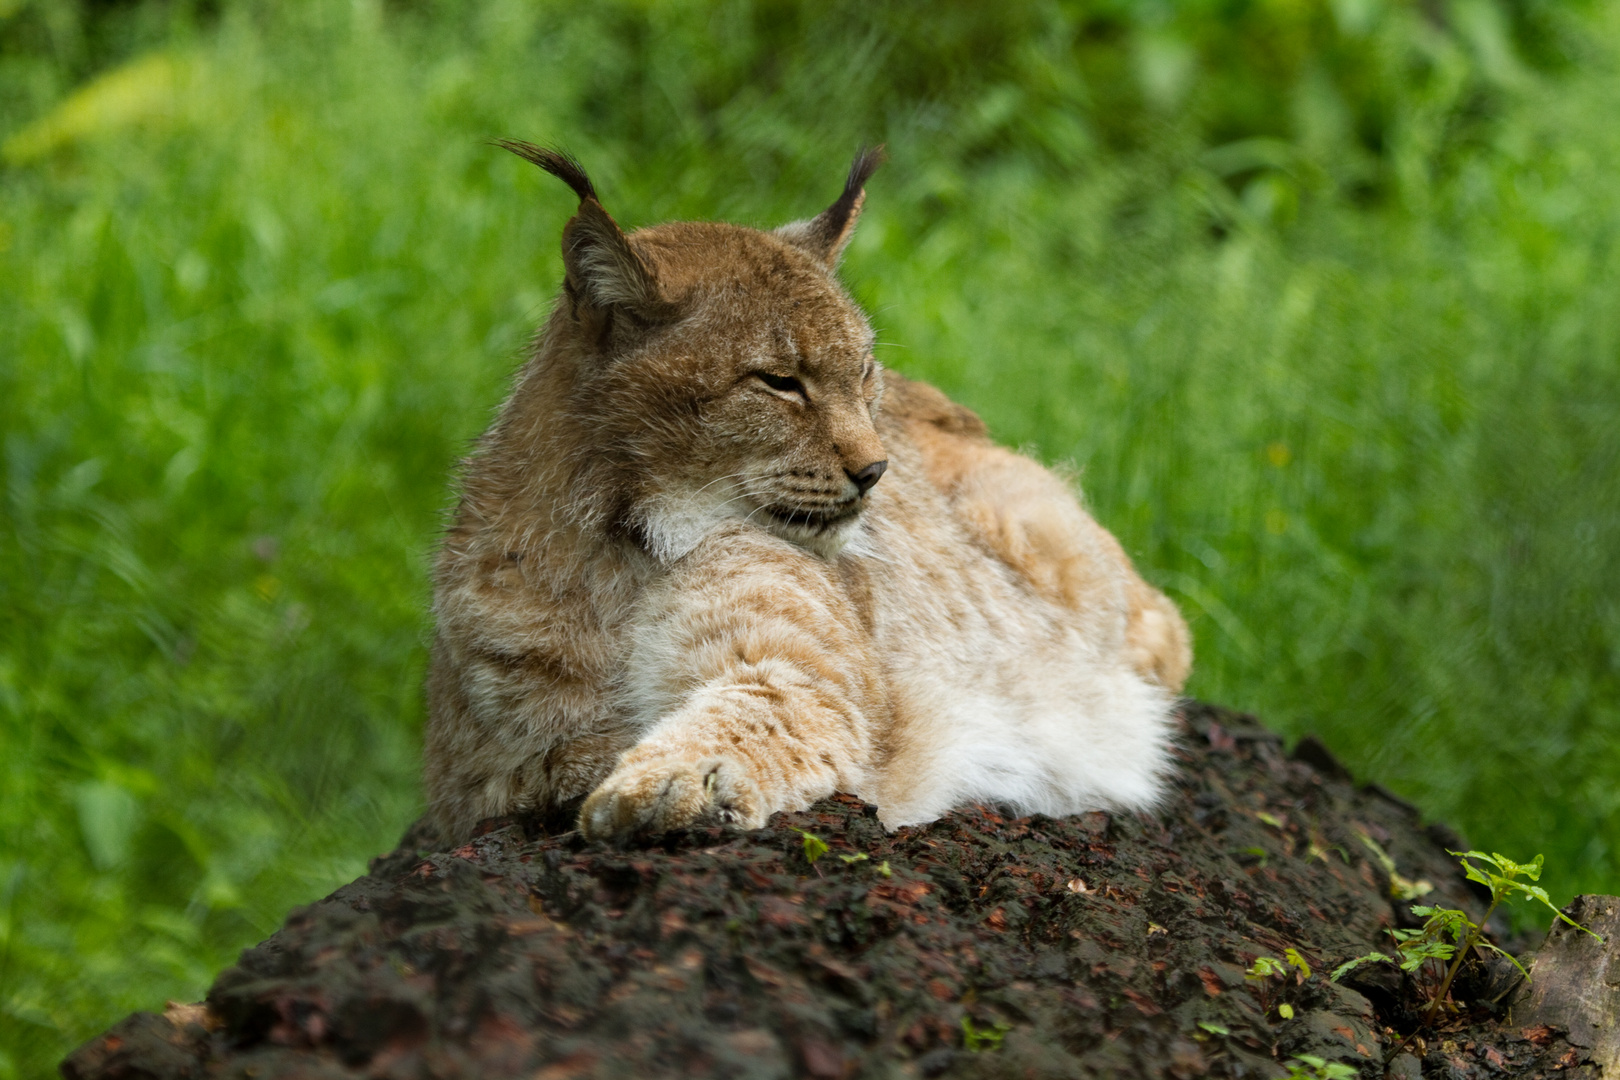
[825, 235]
[603, 270]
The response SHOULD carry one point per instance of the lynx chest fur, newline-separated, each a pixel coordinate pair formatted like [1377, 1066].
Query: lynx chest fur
[711, 562]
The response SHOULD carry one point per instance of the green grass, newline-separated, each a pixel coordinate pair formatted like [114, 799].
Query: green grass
[1322, 301]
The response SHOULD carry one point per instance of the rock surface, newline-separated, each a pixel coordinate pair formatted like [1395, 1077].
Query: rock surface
[1575, 981]
[978, 946]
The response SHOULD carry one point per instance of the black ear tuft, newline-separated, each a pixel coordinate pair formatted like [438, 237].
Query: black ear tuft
[559, 163]
[867, 160]
[825, 235]
[604, 271]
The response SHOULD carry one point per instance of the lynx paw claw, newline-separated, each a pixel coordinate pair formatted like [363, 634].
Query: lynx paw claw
[647, 798]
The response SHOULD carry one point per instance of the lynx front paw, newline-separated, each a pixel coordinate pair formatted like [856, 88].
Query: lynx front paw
[655, 796]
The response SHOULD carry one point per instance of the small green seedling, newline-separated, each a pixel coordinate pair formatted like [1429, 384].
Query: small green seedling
[814, 846]
[883, 868]
[1259, 853]
[1414, 947]
[1449, 934]
[1311, 1067]
[1265, 969]
[1503, 883]
[1214, 1029]
[851, 859]
[1400, 888]
[979, 1039]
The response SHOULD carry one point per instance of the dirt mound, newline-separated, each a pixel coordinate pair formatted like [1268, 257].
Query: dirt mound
[978, 946]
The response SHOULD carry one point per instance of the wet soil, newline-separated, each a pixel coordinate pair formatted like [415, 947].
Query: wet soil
[981, 945]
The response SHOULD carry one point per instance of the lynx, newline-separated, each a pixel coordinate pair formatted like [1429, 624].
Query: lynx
[711, 561]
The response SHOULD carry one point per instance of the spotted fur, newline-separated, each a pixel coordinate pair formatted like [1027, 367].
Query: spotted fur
[674, 585]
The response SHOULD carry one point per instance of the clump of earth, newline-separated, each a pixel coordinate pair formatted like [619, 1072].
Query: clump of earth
[982, 945]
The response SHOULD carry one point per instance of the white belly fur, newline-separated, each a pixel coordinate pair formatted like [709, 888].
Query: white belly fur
[1001, 697]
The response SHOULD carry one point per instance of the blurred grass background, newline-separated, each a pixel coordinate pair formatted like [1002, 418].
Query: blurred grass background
[1322, 297]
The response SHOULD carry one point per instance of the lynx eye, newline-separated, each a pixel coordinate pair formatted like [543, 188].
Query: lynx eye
[784, 384]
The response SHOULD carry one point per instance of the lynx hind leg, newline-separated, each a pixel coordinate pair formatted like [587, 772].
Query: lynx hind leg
[1156, 637]
[1032, 521]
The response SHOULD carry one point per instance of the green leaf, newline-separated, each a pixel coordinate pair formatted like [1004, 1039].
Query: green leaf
[1378, 853]
[977, 1039]
[1416, 951]
[1214, 1029]
[860, 857]
[108, 816]
[1357, 962]
[1511, 869]
[1264, 967]
[1311, 1067]
[1509, 957]
[1531, 870]
[1406, 889]
[1401, 888]
[1441, 923]
[814, 846]
[1575, 924]
[1297, 961]
[1286, 1011]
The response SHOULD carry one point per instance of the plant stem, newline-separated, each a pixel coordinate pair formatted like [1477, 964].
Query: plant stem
[1473, 937]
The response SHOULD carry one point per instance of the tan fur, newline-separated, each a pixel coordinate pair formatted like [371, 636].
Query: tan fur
[663, 587]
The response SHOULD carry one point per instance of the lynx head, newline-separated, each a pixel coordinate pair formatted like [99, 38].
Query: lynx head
[714, 373]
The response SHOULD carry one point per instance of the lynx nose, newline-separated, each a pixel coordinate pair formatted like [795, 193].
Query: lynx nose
[868, 476]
